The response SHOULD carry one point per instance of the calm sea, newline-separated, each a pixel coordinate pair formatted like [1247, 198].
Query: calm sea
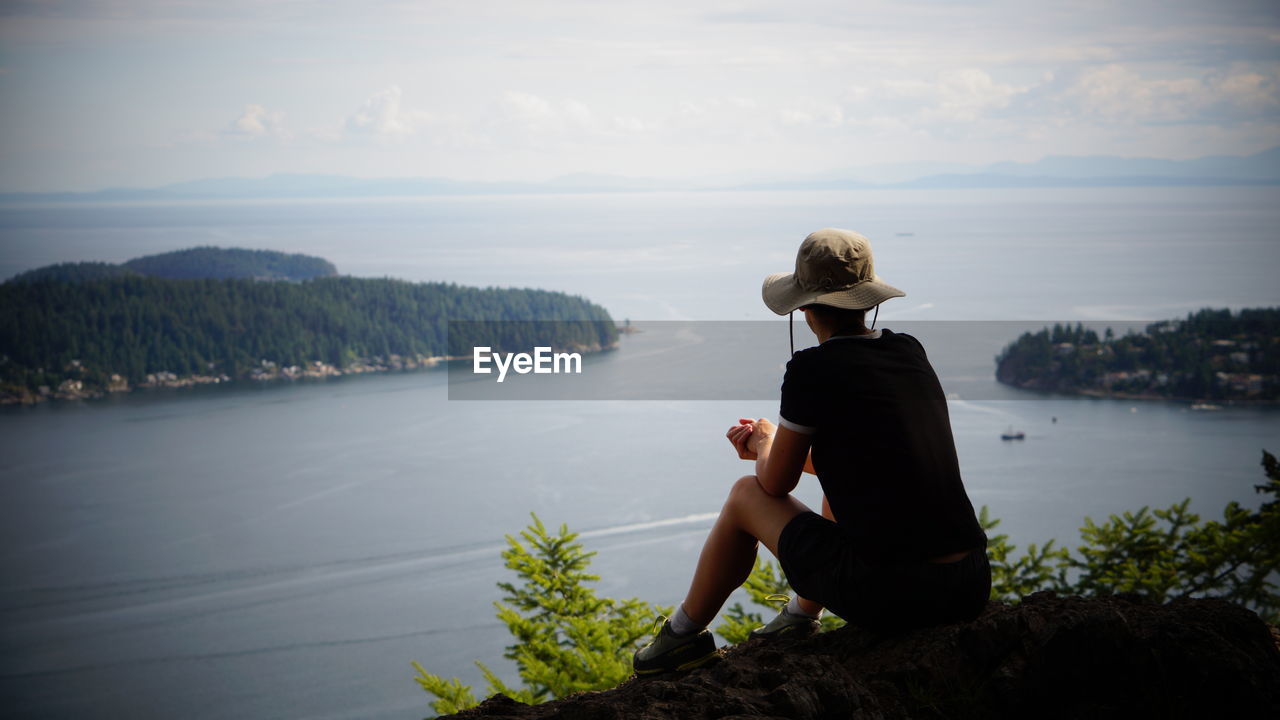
[286, 550]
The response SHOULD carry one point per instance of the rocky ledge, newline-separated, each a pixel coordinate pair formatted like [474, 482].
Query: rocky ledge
[1049, 657]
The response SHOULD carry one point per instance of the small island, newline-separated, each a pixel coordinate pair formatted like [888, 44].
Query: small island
[211, 315]
[198, 263]
[1211, 356]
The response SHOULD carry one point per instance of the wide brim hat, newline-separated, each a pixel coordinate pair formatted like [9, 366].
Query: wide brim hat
[833, 267]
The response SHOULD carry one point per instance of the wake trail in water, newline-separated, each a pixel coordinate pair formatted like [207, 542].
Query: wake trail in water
[240, 581]
[651, 525]
[982, 408]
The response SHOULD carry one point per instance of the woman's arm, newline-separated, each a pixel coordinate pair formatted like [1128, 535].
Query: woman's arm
[778, 464]
[780, 459]
[740, 436]
[781, 455]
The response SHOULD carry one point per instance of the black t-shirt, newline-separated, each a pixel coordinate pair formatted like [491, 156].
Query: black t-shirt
[882, 445]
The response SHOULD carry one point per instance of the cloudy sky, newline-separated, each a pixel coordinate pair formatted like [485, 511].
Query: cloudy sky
[101, 93]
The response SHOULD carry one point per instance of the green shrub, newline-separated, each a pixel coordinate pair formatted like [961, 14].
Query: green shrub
[567, 638]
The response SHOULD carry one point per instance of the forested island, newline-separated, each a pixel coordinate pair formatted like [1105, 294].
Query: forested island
[1210, 356]
[193, 264]
[207, 316]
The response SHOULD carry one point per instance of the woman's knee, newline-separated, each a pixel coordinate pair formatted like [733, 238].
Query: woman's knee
[757, 513]
[748, 496]
[744, 489]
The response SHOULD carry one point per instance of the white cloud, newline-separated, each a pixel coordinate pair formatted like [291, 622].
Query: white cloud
[960, 95]
[955, 102]
[967, 95]
[629, 124]
[382, 116]
[531, 113]
[722, 120]
[257, 121]
[665, 88]
[525, 117]
[1118, 93]
[812, 114]
[577, 113]
[1249, 92]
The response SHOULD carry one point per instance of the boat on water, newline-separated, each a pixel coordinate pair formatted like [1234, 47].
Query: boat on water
[1205, 406]
[1012, 434]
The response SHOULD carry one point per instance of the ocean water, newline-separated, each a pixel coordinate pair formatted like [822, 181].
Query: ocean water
[1083, 253]
[286, 550]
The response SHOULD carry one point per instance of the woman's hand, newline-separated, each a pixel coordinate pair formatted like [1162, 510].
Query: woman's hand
[749, 437]
[740, 436]
[761, 436]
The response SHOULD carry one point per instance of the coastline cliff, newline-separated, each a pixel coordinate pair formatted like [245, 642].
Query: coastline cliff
[1049, 656]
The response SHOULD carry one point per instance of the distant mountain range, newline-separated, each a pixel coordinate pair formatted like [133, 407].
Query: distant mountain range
[1055, 171]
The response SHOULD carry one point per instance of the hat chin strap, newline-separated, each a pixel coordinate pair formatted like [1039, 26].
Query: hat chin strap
[874, 317]
[791, 332]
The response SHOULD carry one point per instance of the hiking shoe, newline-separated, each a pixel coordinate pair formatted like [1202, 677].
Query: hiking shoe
[785, 623]
[669, 651]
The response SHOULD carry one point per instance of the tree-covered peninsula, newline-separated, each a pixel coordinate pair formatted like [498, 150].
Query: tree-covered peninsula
[83, 337]
[1210, 356]
[193, 264]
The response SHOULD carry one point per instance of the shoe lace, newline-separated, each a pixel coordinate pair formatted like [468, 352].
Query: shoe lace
[657, 624]
[777, 598]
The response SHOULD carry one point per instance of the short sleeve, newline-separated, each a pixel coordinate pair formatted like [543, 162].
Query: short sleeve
[914, 343]
[800, 410]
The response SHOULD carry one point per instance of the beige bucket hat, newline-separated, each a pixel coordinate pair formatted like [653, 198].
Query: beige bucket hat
[834, 267]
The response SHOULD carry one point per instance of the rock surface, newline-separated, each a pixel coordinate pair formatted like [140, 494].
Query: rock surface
[1049, 657]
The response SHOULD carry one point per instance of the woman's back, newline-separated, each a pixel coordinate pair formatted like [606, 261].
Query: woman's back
[882, 445]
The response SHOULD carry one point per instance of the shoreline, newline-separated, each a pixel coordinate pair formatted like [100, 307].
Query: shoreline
[266, 371]
[1219, 403]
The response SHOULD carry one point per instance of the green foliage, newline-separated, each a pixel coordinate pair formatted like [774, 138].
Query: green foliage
[223, 263]
[451, 695]
[1036, 569]
[192, 264]
[1170, 553]
[1132, 552]
[1160, 554]
[568, 639]
[133, 326]
[72, 272]
[1209, 355]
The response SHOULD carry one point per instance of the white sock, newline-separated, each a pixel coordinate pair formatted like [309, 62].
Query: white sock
[793, 607]
[682, 624]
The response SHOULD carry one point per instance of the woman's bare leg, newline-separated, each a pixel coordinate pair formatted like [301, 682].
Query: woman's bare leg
[749, 516]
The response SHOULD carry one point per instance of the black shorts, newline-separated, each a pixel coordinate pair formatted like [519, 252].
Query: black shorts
[821, 564]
